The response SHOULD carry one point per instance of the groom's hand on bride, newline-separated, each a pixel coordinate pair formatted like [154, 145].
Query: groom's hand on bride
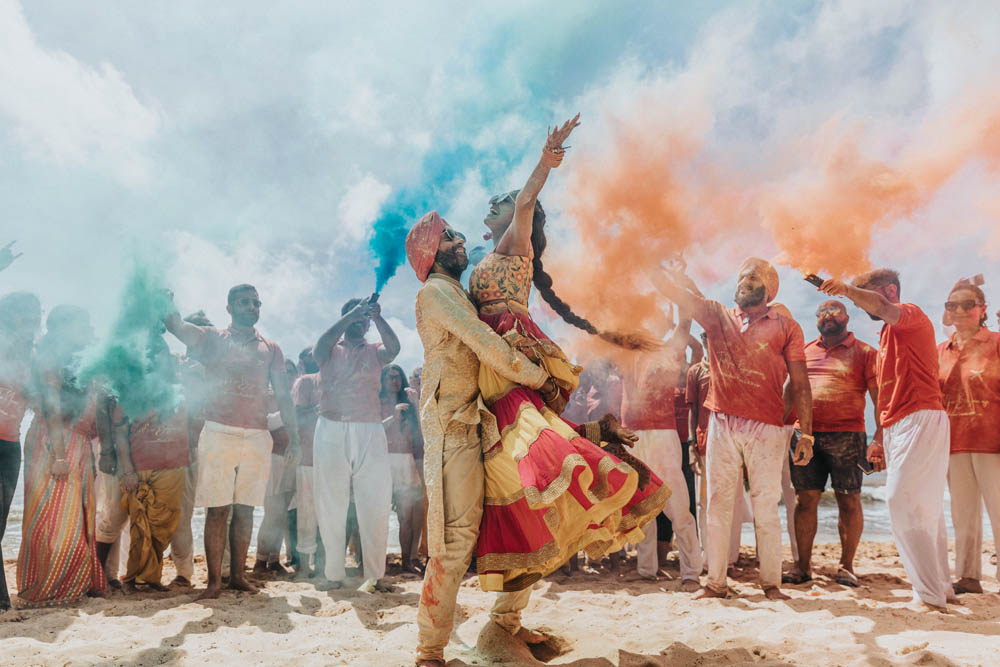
[613, 431]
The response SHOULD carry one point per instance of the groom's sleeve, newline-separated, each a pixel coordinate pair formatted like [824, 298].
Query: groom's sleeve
[441, 305]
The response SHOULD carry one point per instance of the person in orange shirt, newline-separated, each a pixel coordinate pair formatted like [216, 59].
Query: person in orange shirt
[753, 348]
[970, 383]
[915, 431]
[841, 369]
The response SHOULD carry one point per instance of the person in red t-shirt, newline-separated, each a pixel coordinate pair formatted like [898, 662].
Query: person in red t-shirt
[915, 431]
[841, 369]
[350, 451]
[753, 348]
[234, 448]
[20, 319]
[970, 382]
[649, 381]
[153, 453]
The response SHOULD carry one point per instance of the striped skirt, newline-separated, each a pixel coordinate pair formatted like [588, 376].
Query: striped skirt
[58, 560]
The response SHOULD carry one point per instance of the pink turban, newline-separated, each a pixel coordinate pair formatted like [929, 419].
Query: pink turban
[422, 243]
[766, 273]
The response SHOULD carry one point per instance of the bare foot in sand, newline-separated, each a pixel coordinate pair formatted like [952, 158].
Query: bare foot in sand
[774, 593]
[241, 584]
[157, 586]
[690, 585]
[210, 593]
[531, 636]
[181, 581]
[707, 592]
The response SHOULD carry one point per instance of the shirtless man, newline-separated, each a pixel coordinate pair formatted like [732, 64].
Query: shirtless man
[234, 448]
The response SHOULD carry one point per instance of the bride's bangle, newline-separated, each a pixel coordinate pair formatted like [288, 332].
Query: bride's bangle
[552, 156]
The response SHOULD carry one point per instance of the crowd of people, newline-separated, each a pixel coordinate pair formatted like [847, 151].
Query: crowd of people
[501, 450]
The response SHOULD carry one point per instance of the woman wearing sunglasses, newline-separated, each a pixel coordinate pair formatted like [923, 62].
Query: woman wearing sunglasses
[969, 372]
[549, 491]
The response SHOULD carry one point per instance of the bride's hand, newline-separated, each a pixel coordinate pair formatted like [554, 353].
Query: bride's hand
[553, 152]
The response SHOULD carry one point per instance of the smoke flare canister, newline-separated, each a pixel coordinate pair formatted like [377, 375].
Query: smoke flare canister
[813, 279]
[373, 299]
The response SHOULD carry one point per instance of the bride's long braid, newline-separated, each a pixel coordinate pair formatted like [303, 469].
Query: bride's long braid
[543, 283]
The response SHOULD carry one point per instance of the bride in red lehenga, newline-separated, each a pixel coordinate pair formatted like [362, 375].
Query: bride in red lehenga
[550, 491]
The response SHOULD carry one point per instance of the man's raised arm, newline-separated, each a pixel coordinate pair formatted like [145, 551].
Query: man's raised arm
[869, 301]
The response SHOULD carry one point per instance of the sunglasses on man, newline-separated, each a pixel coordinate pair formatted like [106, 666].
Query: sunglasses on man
[453, 235]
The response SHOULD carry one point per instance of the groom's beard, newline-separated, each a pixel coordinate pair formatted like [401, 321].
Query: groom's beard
[452, 261]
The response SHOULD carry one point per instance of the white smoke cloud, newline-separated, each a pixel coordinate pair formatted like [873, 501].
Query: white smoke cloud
[66, 112]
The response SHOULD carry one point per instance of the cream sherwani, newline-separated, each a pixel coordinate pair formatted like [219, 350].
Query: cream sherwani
[455, 424]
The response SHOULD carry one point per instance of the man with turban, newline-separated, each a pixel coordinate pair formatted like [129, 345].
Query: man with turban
[752, 348]
[455, 421]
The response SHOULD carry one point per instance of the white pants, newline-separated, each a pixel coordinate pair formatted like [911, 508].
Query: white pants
[305, 513]
[973, 478]
[732, 443]
[280, 487]
[661, 451]
[741, 515]
[346, 456]
[182, 543]
[788, 494]
[916, 456]
[111, 523]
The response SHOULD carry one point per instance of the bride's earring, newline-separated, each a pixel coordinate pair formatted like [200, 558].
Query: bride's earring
[487, 236]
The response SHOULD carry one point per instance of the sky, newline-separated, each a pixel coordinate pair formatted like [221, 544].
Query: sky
[260, 142]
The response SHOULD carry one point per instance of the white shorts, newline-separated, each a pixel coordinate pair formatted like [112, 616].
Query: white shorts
[403, 468]
[234, 465]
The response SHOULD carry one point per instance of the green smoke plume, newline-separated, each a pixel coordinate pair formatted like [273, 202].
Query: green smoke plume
[122, 362]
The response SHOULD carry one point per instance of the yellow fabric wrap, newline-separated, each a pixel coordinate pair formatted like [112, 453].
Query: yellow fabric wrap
[154, 510]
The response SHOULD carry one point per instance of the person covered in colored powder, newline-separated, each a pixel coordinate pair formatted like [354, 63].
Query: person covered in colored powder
[969, 375]
[153, 453]
[916, 431]
[842, 369]
[752, 349]
[234, 448]
[350, 452]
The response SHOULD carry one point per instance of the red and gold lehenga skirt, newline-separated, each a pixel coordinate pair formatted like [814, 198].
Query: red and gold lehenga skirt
[550, 492]
[58, 560]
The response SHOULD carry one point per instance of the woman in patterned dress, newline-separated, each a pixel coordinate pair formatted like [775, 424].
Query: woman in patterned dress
[58, 560]
[550, 491]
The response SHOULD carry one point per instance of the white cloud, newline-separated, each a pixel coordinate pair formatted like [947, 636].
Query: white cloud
[67, 112]
[358, 209]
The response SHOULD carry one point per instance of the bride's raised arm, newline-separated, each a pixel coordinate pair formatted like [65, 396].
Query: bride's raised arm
[517, 239]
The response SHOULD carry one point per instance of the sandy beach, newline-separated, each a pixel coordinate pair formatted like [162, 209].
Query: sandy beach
[601, 619]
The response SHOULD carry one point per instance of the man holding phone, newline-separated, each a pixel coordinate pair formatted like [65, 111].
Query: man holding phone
[841, 369]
